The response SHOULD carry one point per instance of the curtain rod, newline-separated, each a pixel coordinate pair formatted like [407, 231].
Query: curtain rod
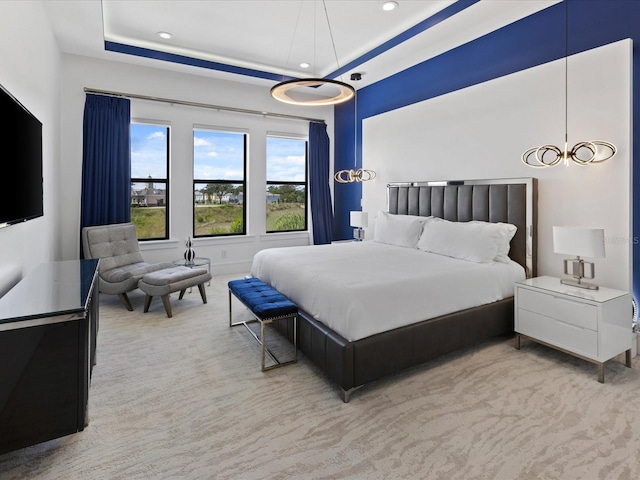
[203, 105]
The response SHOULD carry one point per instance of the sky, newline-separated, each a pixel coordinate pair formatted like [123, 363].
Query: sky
[148, 151]
[217, 155]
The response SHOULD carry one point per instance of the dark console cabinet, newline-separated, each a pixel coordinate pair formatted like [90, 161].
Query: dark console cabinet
[48, 330]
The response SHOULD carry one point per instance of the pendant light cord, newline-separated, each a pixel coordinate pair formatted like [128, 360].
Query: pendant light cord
[293, 38]
[566, 71]
[355, 132]
[342, 91]
[295, 30]
[315, 40]
[333, 43]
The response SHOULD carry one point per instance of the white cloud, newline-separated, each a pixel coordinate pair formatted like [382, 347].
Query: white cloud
[156, 136]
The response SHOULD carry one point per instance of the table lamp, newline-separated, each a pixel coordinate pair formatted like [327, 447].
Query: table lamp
[581, 242]
[360, 220]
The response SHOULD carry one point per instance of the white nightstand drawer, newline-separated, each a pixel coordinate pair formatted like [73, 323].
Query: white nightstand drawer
[576, 313]
[555, 332]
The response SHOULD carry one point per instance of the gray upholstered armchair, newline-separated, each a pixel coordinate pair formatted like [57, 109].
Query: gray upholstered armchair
[121, 263]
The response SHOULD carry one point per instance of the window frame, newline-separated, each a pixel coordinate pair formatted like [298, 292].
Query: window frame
[305, 184]
[243, 182]
[165, 181]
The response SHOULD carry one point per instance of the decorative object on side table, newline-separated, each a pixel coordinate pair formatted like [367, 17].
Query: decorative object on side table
[360, 220]
[581, 242]
[189, 253]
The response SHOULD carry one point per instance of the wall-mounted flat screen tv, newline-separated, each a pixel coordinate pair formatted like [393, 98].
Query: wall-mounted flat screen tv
[21, 196]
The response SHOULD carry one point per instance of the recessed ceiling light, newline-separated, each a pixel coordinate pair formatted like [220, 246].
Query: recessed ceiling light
[388, 6]
[165, 35]
[305, 65]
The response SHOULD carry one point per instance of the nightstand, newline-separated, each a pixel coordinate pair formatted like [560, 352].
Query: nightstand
[594, 325]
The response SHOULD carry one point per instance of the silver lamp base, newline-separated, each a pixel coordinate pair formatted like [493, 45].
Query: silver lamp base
[578, 283]
[578, 272]
[358, 234]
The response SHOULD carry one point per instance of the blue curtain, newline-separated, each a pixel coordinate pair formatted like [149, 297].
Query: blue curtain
[106, 161]
[319, 192]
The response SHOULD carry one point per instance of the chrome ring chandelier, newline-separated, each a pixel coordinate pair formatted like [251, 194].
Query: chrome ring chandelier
[543, 156]
[535, 157]
[350, 176]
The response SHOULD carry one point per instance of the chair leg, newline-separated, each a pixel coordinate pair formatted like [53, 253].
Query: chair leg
[203, 294]
[182, 294]
[147, 302]
[124, 299]
[167, 305]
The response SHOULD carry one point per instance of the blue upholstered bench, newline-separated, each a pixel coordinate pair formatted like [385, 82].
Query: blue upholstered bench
[267, 305]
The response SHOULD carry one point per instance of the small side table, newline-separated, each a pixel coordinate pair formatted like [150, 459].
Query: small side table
[594, 325]
[197, 262]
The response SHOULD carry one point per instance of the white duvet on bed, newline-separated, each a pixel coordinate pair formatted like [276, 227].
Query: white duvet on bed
[359, 289]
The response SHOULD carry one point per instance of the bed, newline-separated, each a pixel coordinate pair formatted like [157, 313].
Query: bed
[369, 309]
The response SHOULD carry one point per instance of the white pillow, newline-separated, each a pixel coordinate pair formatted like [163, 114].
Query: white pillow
[507, 231]
[480, 242]
[400, 230]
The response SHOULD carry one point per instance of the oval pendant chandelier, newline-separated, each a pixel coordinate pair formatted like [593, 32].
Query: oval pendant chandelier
[550, 155]
[350, 176]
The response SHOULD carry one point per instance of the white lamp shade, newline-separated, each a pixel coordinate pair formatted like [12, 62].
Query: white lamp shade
[582, 242]
[358, 219]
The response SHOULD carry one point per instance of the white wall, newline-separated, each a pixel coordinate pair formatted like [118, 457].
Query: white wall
[30, 71]
[228, 254]
[480, 132]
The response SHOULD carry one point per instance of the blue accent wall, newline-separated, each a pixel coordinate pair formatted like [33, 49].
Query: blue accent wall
[433, 20]
[346, 196]
[531, 41]
[516, 47]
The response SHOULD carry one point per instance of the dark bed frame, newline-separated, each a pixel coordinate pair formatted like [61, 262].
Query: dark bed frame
[353, 364]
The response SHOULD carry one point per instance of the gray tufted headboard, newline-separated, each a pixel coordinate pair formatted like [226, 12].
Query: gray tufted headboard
[510, 200]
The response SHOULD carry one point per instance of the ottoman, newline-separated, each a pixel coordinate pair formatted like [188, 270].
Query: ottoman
[169, 280]
[267, 305]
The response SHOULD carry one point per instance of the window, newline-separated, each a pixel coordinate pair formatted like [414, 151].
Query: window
[286, 194]
[149, 180]
[219, 163]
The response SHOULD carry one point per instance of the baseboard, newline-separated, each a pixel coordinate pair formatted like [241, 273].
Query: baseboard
[241, 268]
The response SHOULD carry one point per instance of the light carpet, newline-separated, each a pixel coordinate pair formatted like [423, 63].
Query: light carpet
[184, 398]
